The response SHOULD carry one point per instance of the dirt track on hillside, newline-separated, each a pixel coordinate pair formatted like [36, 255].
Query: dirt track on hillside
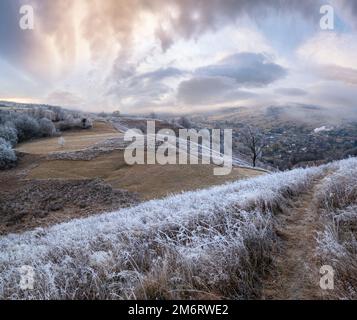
[295, 274]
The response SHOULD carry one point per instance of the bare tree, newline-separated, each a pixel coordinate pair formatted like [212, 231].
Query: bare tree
[254, 141]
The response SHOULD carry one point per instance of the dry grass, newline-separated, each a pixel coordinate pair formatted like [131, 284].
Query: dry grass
[150, 181]
[75, 140]
[337, 247]
[214, 243]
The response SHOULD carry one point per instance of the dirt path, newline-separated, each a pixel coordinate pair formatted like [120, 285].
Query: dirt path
[296, 274]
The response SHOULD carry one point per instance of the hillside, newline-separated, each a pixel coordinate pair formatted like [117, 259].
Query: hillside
[239, 241]
[37, 191]
[293, 135]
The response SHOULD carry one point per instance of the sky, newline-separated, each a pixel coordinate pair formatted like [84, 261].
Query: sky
[143, 56]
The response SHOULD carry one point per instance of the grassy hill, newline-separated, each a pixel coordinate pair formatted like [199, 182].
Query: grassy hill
[228, 241]
[37, 192]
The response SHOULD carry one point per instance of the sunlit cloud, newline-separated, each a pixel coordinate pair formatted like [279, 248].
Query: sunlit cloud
[140, 55]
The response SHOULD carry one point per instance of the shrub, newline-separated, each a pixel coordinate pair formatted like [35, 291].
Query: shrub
[27, 127]
[9, 133]
[47, 128]
[68, 124]
[7, 155]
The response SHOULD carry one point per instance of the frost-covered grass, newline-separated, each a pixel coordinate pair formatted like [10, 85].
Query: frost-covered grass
[339, 189]
[337, 244]
[214, 243]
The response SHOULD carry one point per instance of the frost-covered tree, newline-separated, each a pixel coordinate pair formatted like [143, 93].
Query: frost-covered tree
[116, 113]
[27, 127]
[47, 128]
[7, 155]
[9, 133]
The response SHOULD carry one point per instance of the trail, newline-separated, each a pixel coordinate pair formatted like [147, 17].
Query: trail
[296, 271]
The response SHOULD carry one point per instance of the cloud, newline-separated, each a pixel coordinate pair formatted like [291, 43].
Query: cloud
[291, 92]
[247, 69]
[204, 90]
[64, 98]
[111, 23]
[34, 51]
[334, 94]
[119, 43]
[161, 74]
[143, 89]
[190, 18]
[330, 48]
[333, 72]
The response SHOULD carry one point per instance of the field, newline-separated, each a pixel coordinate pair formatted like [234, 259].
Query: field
[47, 175]
[74, 140]
[150, 181]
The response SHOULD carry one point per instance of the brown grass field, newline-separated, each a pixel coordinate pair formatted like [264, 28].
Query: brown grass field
[150, 181]
[74, 140]
[105, 182]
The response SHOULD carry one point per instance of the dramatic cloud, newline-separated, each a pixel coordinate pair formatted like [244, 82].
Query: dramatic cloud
[247, 69]
[141, 54]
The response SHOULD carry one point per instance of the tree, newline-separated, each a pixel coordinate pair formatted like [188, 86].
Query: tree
[9, 133]
[185, 122]
[7, 155]
[116, 113]
[27, 127]
[253, 139]
[47, 128]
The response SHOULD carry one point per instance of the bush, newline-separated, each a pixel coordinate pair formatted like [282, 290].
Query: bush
[9, 133]
[7, 155]
[68, 124]
[47, 128]
[27, 127]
